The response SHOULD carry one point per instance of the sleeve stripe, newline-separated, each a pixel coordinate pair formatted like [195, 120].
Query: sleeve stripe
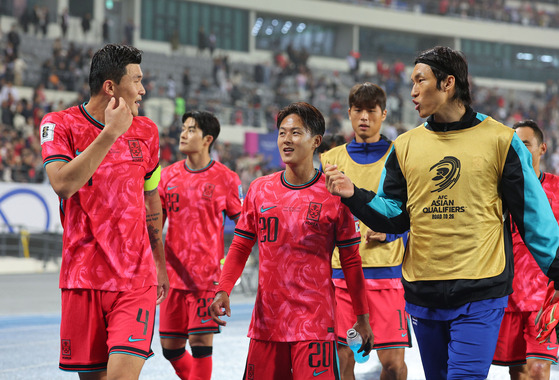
[244, 234]
[349, 242]
[56, 157]
[235, 216]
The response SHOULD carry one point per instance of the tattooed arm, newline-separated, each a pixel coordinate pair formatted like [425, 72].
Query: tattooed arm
[154, 219]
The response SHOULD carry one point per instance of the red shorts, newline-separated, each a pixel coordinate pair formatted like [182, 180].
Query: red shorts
[517, 341]
[387, 316]
[183, 313]
[97, 323]
[292, 360]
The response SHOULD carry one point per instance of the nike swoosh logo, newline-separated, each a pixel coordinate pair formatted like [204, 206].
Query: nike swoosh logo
[404, 334]
[318, 373]
[550, 348]
[132, 340]
[78, 152]
[262, 209]
[170, 187]
[206, 320]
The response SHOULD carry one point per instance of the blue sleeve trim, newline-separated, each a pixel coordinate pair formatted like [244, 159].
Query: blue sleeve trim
[388, 207]
[541, 230]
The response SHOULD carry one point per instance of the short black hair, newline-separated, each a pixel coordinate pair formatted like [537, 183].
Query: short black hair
[313, 121]
[109, 63]
[532, 125]
[206, 121]
[367, 95]
[445, 61]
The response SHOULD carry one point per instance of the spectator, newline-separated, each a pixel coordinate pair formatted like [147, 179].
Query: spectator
[86, 24]
[64, 21]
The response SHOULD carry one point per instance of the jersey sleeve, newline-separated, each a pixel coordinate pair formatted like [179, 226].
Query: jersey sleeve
[347, 240]
[239, 251]
[56, 144]
[154, 152]
[529, 206]
[234, 197]
[384, 211]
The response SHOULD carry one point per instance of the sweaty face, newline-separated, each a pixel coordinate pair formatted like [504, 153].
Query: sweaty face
[295, 142]
[130, 87]
[366, 123]
[427, 98]
[191, 138]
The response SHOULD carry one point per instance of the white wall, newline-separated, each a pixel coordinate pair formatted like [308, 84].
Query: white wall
[31, 207]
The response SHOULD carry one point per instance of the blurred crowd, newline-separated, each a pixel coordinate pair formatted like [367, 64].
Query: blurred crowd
[252, 93]
[529, 13]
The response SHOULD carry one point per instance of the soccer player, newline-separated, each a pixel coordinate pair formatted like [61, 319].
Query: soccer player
[517, 346]
[196, 194]
[102, 161]
[297, 223]
[362, 160]
[454, 180]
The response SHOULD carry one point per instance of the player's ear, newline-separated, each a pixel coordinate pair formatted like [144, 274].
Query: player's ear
[208, 139]
[317, 141]
[109, 87]
[543, 148]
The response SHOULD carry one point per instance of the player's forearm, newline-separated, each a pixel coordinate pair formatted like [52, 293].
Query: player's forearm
[154, 221]
[67, 178]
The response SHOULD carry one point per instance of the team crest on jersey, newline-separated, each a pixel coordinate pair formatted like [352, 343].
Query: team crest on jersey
[47, 132]
[250, 371]
[65, 348]
[208, 190]
[447, 173]
[313, 213]
[135, 150]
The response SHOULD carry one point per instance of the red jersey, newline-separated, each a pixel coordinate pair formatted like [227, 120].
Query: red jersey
[195, 203]
[297, 228]
[105, 241]
[530, 283]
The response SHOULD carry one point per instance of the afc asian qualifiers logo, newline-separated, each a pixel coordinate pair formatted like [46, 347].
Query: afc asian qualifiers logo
[447, 173]
[313, 213]
[135, 150]
[65, 348]
[208, 190]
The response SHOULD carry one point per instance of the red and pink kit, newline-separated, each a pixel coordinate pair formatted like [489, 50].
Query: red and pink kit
[296, 228]
[195, 203]
[529, 283]
[105, 241]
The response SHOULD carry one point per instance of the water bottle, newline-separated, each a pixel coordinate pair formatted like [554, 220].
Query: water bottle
[354, 342]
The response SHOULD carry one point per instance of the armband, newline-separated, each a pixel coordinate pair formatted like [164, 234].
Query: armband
[152, 182]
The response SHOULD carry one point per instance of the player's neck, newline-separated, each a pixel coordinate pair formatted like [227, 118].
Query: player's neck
[299, 174]
[197, 161]
[96, 108]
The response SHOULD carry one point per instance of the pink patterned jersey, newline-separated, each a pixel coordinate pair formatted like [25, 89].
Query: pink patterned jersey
[296, 228]
[195, 204]
[105, 240]
[529, 283]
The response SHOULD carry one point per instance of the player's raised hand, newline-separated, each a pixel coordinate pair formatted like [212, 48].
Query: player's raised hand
[118, 117]
[337, 182]
[220, 307]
